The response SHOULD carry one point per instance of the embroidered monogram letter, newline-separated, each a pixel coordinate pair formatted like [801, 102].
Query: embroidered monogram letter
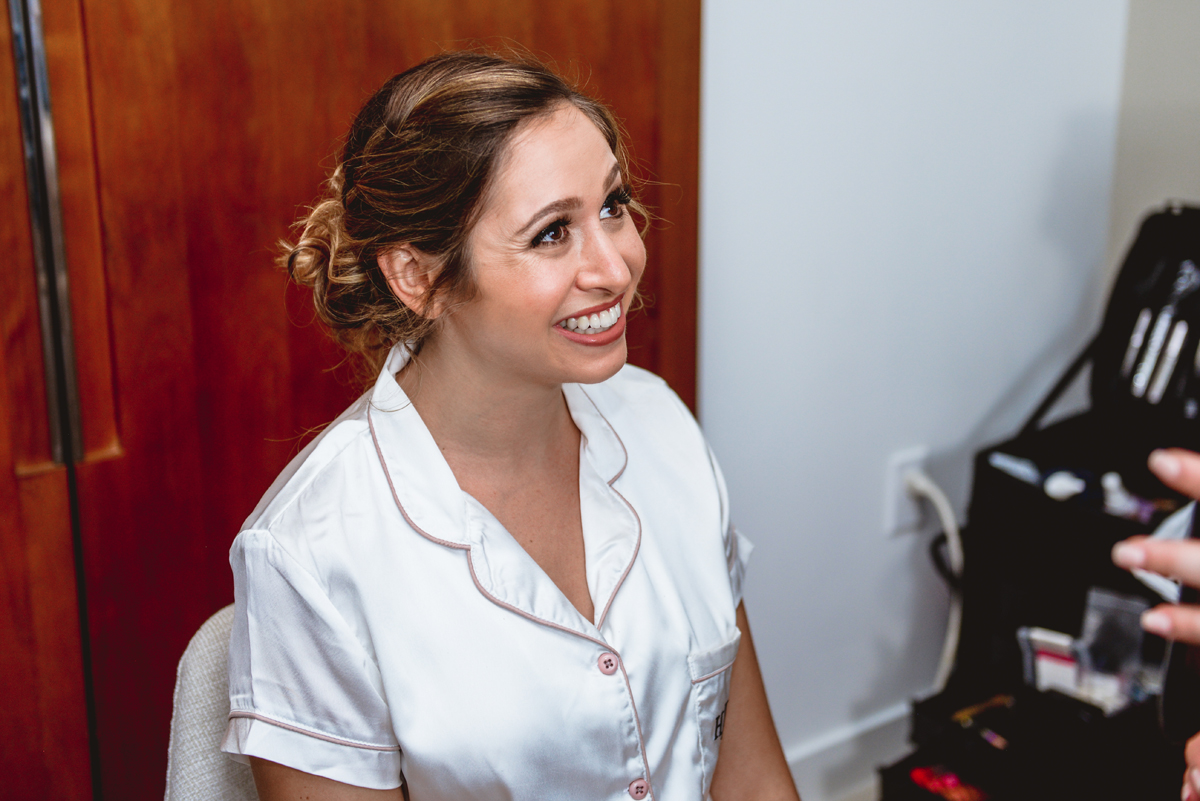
[719, 726]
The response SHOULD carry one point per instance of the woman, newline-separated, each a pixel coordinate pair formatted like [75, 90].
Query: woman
[507, 571]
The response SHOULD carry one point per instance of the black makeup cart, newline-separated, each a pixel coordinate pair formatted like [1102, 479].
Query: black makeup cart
[1042, 520]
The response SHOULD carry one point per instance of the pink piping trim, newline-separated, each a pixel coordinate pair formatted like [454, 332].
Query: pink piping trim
[523, 613]
[613, 429]
[638, 721]
[464, 547]
[474, 578]
[717, 672]
[396, 497]
[241, 713]
[638, 545]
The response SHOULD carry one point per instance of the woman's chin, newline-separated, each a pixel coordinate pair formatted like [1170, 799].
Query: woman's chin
[597, 368]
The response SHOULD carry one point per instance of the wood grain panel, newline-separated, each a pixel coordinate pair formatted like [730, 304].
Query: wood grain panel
[677, 63]
[19, 756]
[66, 65]
[215, 121]
[63, 734]
[22, 390]
[43, 728]
[149, 573]
[20, 332]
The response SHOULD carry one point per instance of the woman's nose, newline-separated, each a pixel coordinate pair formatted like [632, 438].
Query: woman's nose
[604, 265]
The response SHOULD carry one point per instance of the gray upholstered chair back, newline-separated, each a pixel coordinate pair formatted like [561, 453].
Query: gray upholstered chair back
[196, 768]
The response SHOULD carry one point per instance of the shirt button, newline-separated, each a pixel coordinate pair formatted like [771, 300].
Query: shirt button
[639, 788]
[608, 666]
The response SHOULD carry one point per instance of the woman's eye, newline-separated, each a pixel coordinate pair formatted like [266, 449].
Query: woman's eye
[615, 203]
[552, 234]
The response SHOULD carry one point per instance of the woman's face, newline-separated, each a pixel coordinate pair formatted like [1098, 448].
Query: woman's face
[555, 258]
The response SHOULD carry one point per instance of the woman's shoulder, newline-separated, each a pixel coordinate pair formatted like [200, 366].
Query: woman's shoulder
[330, 464]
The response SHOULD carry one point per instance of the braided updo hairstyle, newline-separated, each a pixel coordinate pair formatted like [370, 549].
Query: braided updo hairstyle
[415, 167]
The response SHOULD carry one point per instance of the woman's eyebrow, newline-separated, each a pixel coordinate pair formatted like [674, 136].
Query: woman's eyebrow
[564, 205]
[612, 175]
[557, 207]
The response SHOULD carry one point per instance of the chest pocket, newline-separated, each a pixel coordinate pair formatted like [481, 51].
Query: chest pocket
[711, 672]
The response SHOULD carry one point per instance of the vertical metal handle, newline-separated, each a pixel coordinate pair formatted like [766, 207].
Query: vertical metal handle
[41, 177]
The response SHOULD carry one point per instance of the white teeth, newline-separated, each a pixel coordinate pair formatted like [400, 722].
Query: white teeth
[594, 323]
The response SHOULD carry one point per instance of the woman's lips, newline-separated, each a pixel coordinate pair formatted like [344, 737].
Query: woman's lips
[592, 321]
[600, 326]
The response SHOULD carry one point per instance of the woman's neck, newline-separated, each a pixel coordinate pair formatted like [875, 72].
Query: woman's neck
[480, 420]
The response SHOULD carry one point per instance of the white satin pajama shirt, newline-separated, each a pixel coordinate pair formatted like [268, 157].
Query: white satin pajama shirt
[390, 630]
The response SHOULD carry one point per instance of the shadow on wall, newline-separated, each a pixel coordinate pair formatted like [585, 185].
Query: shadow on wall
[1075, 185]
[1077, 229]
[1150, 175]
[886, 742]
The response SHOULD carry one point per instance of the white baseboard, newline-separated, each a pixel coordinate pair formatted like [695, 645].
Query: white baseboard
[839, 765]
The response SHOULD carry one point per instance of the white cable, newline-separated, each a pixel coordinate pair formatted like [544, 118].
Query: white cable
[918, 483]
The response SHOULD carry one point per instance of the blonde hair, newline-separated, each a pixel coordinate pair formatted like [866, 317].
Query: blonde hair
[416, 164]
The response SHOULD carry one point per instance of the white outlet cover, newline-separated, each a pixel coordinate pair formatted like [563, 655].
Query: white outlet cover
[901, 511]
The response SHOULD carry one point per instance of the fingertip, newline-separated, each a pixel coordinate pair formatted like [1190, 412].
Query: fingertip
[1128, 555]
[1165, 464]
[1157, 622]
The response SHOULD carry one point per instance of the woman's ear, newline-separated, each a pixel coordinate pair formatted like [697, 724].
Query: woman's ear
[410, 274]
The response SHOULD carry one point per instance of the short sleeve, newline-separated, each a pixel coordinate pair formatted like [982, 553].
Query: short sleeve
[303, 690]
[737, 556]
[737, 547]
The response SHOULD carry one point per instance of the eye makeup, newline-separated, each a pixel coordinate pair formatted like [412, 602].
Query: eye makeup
[556, 231]
[617, 200]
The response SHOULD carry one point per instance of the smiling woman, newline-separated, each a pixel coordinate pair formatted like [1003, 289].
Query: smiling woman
[508, 570]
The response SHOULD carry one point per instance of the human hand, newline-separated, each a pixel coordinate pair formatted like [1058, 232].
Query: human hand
[1191, 777]
[1175, 559]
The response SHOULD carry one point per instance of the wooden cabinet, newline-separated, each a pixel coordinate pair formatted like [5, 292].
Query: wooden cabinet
[190, 134]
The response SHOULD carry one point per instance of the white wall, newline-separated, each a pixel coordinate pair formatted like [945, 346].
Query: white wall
[1158, 141]
[904, 219]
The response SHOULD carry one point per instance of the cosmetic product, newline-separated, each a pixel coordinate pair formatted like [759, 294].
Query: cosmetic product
[1185, 283]
[940, 780]
[1121, 502]
[1063, 484]
[1015, 466]
[1167, 366]
[1049, 659]
[1135, 342]
[980, 717]
[1191, 406]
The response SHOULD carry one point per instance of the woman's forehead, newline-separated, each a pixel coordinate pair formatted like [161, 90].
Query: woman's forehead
[562, 152]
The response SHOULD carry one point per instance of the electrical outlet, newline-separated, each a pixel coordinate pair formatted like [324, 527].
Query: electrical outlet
[902, 510]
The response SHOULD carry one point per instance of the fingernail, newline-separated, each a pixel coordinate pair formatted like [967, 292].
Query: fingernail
[1128, 555]
[1186, 794]
[1194, 775]
[1156, 623]
[1165, 465]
